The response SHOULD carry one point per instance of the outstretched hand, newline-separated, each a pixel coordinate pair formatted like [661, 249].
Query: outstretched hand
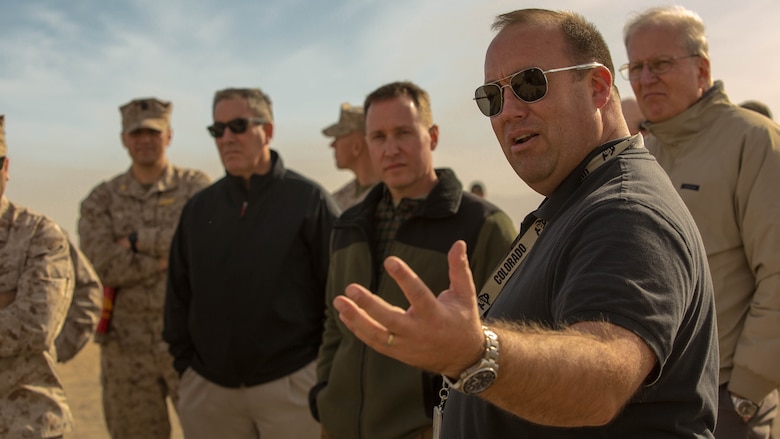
[440, 334]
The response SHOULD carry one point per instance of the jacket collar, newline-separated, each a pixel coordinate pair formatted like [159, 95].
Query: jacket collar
[558, 199]
[690, 122]
[128, 184]
[259, 182]
[443, 200]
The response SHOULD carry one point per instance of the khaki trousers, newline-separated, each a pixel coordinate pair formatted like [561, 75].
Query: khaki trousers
[731, 426]
[275, 410]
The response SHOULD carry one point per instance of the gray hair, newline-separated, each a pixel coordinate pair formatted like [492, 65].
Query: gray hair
[259, 102]
[687, 21]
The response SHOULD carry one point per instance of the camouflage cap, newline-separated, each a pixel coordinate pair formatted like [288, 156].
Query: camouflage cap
[3, 147]
[351, 119]
[146, 113]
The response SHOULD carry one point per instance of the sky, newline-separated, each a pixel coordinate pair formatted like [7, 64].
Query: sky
[67, 66]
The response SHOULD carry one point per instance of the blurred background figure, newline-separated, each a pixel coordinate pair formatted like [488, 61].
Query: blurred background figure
[478, 189]
[633, 115]
[758, 107]
[351, 152]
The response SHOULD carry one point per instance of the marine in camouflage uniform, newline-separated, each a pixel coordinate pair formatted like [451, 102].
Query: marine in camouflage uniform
[36, 286]
[351, 152]
[126, 226]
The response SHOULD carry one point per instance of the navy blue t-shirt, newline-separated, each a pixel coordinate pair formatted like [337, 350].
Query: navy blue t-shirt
[620, 247]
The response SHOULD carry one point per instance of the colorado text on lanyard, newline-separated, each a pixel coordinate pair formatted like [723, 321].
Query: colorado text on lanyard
[495, 283]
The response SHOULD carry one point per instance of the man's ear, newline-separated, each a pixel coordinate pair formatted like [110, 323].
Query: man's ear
[358, 145]
[268, 127]
[601, 81]
[705, 78]
[434, 132]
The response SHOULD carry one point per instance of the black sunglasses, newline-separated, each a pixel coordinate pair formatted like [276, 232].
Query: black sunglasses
[529, 85]
[237, 126]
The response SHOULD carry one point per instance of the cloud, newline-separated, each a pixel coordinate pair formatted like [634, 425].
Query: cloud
[67, 66]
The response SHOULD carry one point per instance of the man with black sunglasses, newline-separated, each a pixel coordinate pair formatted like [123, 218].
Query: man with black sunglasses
[246, 293]
[725, 163]
[125, 227]
[600, 320]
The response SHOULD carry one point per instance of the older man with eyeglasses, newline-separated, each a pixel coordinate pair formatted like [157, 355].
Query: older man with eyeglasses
[246, 295]
[725, 163]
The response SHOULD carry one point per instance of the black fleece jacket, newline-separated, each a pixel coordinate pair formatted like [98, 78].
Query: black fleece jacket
[246, 280]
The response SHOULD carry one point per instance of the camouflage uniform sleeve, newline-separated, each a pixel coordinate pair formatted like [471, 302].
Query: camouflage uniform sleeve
[160, 238]
[117, 266]
[44, 291]
[84, 311]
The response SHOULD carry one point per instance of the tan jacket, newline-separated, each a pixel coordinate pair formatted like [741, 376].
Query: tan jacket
[725, 163]
[350, 194]
[112, 211]
[36, 286]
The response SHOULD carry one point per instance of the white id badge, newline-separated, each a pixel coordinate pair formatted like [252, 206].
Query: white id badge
[437, 416]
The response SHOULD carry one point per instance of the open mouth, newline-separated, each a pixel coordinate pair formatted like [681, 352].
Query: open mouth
[524, 138]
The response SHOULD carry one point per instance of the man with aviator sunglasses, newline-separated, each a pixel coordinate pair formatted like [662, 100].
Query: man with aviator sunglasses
[600, 321]
[246, 296]
[125, 227]
[725, 163]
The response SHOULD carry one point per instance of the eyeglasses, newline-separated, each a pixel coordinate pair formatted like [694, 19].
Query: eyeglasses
[237, 126]
[657, 66]
[529, 85]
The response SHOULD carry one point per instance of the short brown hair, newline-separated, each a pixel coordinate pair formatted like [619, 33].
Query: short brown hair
[585, 42]
[403, 88]
[258, 101]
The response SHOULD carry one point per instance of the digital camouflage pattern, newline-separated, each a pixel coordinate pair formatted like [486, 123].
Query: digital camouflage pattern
[84, 311]
[350, 194]
[36, 287]
[134, 396]
[112, 211]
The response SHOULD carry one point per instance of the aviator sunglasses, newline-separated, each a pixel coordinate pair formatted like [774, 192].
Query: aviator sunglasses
[529, 85]
[237, 126]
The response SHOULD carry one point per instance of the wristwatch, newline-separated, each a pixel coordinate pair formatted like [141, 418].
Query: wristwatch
[483, 374]
[745, 408]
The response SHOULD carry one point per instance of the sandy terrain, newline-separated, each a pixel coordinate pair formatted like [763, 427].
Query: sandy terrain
[81, 378]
